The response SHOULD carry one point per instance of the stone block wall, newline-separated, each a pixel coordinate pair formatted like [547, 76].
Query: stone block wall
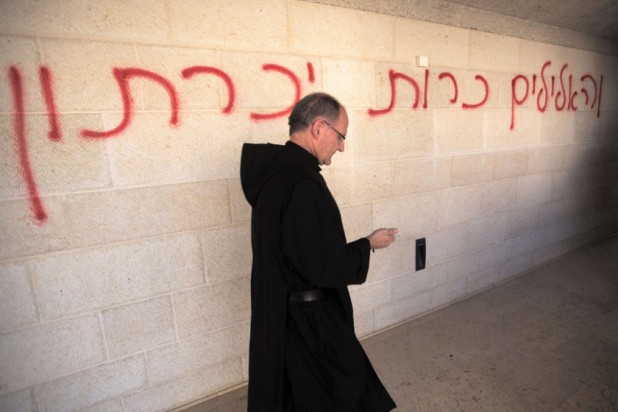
[124, 235]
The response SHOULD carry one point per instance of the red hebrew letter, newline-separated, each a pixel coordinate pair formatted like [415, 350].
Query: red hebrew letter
[585, 92]
[22, 145]
[543, 89]
[514, 100]
[450, 76]
[231, 93]
[295, 81]
[482, 102]
[563, 92]
[52, 115]
[122, 77]
[393, 75]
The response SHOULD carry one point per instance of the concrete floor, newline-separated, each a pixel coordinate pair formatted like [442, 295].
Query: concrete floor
[546, 341]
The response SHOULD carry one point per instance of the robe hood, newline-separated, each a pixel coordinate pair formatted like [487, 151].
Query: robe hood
[259, 162]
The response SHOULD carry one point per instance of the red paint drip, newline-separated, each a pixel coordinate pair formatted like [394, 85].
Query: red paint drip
[52, 114]
[514, 99]
[297, 91]
[22, 146]
[231, 92]
[425, 89]
[310, 72]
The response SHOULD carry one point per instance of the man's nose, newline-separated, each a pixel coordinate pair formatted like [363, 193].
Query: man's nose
[341, 146]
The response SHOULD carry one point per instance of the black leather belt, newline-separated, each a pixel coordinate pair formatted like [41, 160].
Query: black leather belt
[311, 295]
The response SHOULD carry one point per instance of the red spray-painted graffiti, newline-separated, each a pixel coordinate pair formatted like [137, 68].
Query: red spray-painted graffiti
[564, 98]
[22, 146]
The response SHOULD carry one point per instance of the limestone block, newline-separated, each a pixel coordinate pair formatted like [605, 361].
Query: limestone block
[113, 275]
[225, 24]
[206, 309]
[446, 46]
[187, 388]
[38, 354]
[364, 323]
[227, 253]
[559, 211]
[545, 159]
[264, 89]
[583, 154]
[22, 54]
[309, 24]
[362, 183]
[480, 280]
[568, 184]
[82, 73]
[113, 216]
[85, 389]
[461, 267]
[557, 127]
[499, 196]
[475, 168]
[128, 21]
[533, 55]
[525, 133]
[405, 309]
[201, 91]
[511, 163]
[587, 126]
[206, 146]
[534, 190]
[68, 165]
[527, 243]
[422, 175]
[520, 221]
[357, 221]
[138, 326]
[458, 131]
[414, 214]
[494, 256]
[446, 243]
[241, 209]
[413, 283]
[276, 131]
[493, 52]
[447, 293]
[197, 353]
[485, 231]
[23, 235]
[400, 134]
[398, 258]
[371, 295]
[17, 304]
[459, 205]
[351, 82]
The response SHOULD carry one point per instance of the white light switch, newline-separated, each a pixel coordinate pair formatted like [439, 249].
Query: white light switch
[422, 61]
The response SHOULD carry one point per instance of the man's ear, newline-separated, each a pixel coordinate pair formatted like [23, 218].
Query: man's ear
[316, 129]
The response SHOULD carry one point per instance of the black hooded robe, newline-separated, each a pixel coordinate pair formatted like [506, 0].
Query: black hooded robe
[303, 357]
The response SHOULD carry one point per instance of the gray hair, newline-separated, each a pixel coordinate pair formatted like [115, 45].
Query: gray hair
[310, 108]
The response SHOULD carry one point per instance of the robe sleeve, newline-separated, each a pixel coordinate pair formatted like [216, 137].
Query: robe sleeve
[314, 242]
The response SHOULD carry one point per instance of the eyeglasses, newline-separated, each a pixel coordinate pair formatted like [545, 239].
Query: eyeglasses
[341, 136]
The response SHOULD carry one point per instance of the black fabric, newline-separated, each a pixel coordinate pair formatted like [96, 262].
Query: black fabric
[303, 356]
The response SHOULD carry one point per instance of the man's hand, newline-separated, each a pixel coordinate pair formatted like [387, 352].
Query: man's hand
[382, 237]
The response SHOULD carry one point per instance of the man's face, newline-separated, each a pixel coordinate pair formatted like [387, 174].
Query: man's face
[330, 142]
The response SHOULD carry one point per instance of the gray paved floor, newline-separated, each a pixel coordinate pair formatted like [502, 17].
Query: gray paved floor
[546, 341]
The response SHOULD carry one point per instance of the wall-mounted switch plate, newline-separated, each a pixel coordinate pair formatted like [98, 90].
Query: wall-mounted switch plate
[421, 253]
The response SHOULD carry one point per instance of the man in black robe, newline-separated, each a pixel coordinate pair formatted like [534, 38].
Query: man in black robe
[304, 355]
